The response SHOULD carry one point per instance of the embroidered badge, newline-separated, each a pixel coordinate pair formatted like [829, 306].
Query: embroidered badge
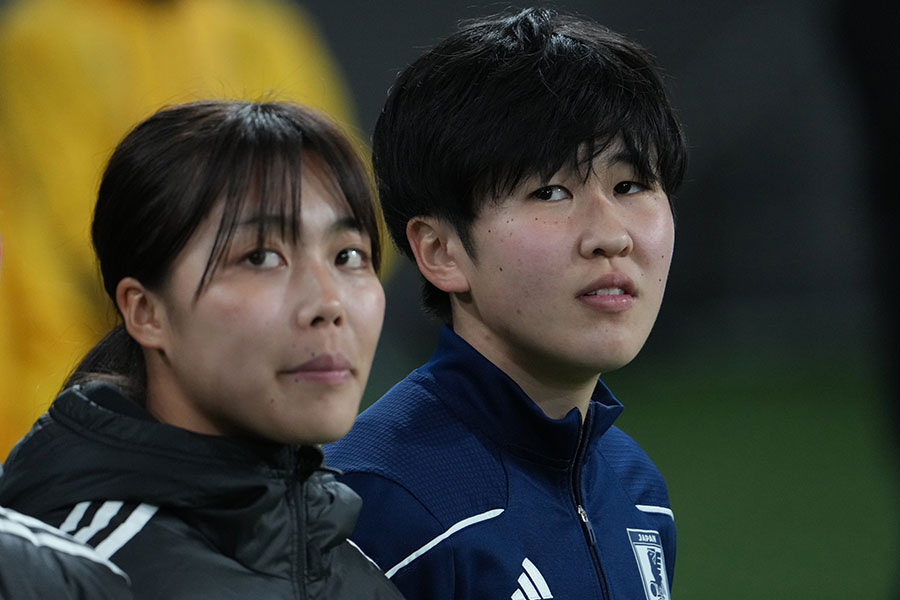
[648, 551]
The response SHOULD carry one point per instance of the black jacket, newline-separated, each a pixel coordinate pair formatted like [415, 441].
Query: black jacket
[187, 515]
[39, 562]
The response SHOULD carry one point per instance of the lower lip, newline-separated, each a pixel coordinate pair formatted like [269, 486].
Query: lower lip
[321, 377]
[613, 303]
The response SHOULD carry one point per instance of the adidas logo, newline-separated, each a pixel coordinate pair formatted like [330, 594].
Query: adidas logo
[532, 585]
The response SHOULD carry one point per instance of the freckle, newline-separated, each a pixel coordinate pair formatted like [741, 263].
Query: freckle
[518, 311]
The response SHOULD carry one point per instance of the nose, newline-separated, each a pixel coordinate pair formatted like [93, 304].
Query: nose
[320, 298]
[604, 232]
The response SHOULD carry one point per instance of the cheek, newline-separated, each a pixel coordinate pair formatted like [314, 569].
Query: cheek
[524, 253]
[237, 318]
[520, 273]
[366, 310]
[657, 241]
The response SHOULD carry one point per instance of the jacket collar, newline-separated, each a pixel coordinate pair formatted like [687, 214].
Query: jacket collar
[488, 400]
[97, 444]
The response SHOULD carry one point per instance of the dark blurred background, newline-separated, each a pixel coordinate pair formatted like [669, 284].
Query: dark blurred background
[766, 393]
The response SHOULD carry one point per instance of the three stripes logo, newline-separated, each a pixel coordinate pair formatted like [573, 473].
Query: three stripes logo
[107, 525]
[532, 585]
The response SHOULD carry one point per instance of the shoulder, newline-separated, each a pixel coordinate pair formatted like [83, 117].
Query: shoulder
[133, 535]
[634, 468]
[422, 474]
[410, 440]
[405, 418]
[40, 561]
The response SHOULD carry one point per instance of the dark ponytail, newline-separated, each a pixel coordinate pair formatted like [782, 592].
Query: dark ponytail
[116, 358]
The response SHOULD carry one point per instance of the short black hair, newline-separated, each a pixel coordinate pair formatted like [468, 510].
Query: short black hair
[509, 97]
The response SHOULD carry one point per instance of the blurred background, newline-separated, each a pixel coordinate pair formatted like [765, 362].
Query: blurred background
[767, 394]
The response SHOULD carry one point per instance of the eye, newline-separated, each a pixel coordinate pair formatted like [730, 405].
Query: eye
[353, 258]
[629, 187]
[264, 259]
[551, 193]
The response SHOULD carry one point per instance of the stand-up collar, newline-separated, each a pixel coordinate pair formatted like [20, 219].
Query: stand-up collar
[96, 444]
[488, 400]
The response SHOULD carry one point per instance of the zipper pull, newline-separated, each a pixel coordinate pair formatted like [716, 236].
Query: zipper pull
[587, 525]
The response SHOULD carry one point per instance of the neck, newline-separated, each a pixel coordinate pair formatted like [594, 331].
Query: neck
[554, 388]
[555, 398]
[167, 402]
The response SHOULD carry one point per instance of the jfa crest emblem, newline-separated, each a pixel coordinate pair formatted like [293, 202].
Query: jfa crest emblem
[652, 565]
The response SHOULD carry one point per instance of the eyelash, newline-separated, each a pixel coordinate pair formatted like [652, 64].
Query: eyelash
[265, 253]
[640, 187]
[342, 258]
[539, 193]
[546, 192]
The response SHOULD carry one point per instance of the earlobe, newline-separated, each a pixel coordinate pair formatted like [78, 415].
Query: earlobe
[439, 253]
[142, 313]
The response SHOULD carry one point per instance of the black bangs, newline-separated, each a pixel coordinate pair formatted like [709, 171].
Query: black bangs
[174, 169]
[258, 158]
[559, 99]
[255, 168]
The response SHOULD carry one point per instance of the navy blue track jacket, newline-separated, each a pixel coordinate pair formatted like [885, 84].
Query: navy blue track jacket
[471, 492]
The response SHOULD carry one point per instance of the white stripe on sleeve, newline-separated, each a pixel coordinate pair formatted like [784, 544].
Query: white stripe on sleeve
[74, 517]
[125, 532]
[655, 509]
[101, 520]
[46, 536]
[455, 528]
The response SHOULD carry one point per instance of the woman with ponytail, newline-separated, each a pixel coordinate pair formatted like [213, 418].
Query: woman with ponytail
[238, 242]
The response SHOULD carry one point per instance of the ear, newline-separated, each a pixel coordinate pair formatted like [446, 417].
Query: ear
[142, 313]
[439, 253]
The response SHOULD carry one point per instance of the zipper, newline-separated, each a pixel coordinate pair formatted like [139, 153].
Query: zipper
[586, 526]
[592, 538]
[297, 506]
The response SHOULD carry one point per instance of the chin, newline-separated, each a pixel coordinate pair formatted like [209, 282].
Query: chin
[330, 431]
[615, 354]
[613, 362]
